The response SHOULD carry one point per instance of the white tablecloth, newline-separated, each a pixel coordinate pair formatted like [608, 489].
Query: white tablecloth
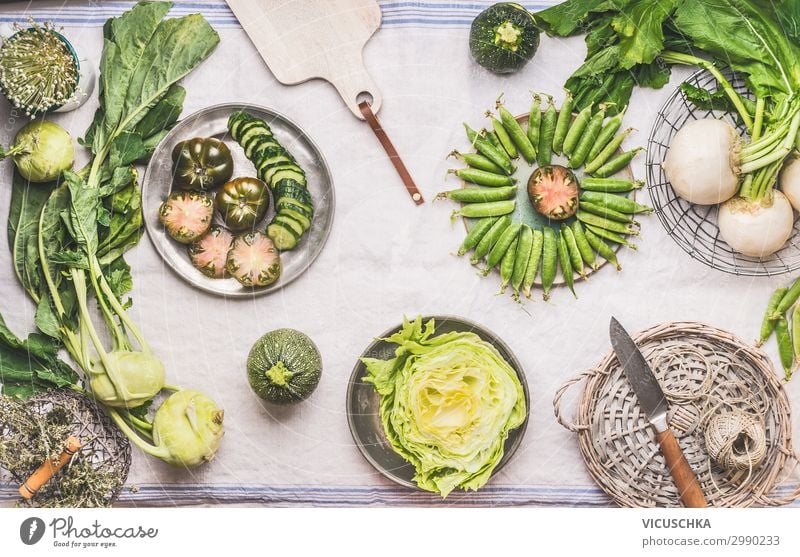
[385, 258]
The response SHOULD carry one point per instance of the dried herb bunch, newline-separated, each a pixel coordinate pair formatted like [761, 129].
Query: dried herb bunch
[38, 70]
[35, 430]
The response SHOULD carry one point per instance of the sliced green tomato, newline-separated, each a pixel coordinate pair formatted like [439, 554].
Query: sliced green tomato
[290, 223]
[271, 171]
[294, 205]
[304, 221]
[283, 237]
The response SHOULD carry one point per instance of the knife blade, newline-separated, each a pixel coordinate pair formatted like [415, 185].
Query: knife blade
[654, 404]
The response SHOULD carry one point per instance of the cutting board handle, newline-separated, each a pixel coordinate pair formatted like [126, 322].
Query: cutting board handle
[351, 85]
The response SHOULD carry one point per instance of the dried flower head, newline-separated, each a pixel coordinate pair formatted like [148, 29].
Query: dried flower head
[38, 70]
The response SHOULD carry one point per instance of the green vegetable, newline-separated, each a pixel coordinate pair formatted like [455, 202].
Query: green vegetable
[68, 241]
[784, 346]
[533, 262]
[616, 202]
[186, 215]
[549, 260]
[503, 38]
[516, 134]
[606, 224]
[545, 151]
[768, 323]
[584, 248]
[477, 195]
[502, 135]
[42, 150]
[485, 148]
[243, 202]
[535, 121]
[488, 209]
[477, 161]
[576, 130]
[507, 265]
[202, 163]
[796, 332]
[616, 164]
[610, 235]
[564, 262]
[502, 246]
[490, 238]
[476, 234]
[483, 177]
[588, 138]
[448, 403]
[253, 260]
[605, 212]
[574, 253]
[284, 366]
[789, 299]
[521, 257]
[596, 162]
[603, 249]
[606, 135]
[562, 124]
[609, 185]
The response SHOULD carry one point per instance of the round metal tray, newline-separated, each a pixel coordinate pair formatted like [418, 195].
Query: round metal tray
[363, 403]
[212, 122]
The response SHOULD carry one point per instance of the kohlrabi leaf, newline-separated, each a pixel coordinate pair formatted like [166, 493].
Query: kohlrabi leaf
[640, 32]
[570, 17]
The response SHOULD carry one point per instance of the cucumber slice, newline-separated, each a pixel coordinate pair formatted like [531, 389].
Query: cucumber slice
[288, 174]
[294, 205]
[291, 223]
[272, 171]
[283, 237]
[257, 143]
[304, 221]
[252, 130]
[265, 162]
[235, 123]
[290, 188]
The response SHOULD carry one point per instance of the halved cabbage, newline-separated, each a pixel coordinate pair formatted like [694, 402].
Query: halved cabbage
[448, 403]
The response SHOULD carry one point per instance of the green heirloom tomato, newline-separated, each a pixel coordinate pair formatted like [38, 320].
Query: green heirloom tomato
[242, 203]
[202, 163]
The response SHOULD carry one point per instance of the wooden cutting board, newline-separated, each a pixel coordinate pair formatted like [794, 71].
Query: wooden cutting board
[307, 39]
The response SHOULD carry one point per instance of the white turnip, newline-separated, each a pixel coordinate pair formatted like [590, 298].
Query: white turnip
[756, 228]
[789, 182]
[702, 162]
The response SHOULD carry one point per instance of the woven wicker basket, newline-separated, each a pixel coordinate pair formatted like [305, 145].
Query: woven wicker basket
[702, 370]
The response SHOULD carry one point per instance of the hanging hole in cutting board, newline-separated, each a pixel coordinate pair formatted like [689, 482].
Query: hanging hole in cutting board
[365, 96]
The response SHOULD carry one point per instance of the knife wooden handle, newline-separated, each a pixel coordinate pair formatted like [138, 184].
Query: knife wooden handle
[688, 486]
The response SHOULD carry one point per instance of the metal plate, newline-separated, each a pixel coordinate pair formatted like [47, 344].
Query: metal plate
[212, 122]
[525, 213]
[363, 403]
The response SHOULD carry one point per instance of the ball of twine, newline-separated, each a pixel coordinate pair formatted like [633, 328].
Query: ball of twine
[736, 440]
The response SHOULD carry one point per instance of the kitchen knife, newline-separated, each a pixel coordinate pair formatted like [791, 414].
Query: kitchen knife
[654, 404]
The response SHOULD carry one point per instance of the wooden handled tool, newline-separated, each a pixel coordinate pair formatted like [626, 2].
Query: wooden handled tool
[46, 471]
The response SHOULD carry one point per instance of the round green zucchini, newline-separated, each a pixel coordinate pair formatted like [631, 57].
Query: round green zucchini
[503, 37]
[284, 366]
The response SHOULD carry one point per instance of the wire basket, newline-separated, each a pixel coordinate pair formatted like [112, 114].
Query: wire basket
[694, 227]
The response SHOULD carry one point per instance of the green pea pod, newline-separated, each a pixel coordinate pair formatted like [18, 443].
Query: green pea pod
[606, 153]
[545, 152]
[604, 223]
[476, 233]
[796, 332]
[523, 255]
[479, 194]
[494, 140]
[789, 299]
[490, 238]
[604, 250]
[610, 185]
[612, 236]
[566, 264]
[485, 148]
[488, 209]
[562, 123]
[572, 250]
[477, 161]
[606, 134]
[535, 121]
[616, 164]
[507, 265]
[576, 130]
[533, 263]
[584, 247]
[616, 202]
[504, 137]
[549, 260]
[501, 247]
[587, 139]
[517, 134]
[482, 177]
[768, 323]
[784, 346]
[605, 212]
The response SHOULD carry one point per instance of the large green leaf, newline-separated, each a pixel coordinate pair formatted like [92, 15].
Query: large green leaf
[640, 30]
